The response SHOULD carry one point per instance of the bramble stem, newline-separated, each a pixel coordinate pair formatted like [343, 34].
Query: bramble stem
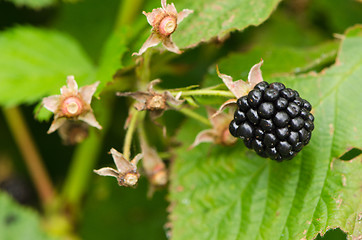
[85, 156]
[30, 154]
[142, 133]
[205, 92]
[127, 12]
[83, 161]
[143, 70]
[195, 116]
[135, 116]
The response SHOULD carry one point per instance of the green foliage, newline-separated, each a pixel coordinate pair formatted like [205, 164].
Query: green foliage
[337, 15]
[35, 63]
[278, 60]
[90, 22]
[33, 3]
[17, 222]
[110, 60]
[231, 193]
[217, 18]
[216, 192]
[111, 211]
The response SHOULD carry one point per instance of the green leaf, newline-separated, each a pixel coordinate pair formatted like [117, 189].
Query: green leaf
[286, 29]
[35, 63]
[33, 3]
[17, 222]
[217, 18]
[231, 193]
[111, 57]
[278, 60]
[89, 22]
[337, 15]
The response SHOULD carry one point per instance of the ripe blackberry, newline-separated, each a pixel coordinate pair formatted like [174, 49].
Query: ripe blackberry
[273, 120]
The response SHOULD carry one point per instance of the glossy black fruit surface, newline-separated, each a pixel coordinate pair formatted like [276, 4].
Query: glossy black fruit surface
[254, 97]
[273, 120]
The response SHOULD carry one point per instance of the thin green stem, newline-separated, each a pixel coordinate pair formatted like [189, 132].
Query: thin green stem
[81, 167]
[143, 70]
[86, 155]
[142, 133]
[128, 10]
[194, 115]
[30, 153]
[205, 92]
[136, 116]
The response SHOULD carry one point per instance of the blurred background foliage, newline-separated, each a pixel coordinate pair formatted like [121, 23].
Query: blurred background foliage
[305, 29]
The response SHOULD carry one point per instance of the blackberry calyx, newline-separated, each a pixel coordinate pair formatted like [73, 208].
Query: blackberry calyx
[273, 120]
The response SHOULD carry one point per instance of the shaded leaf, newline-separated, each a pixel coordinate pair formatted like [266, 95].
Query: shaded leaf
[278, 60]
[111, 211]
[238, 65]
[231, 193]
[337, 15]
[89, 22]
[33, 3]
[17, 222]
[286, 28]
[110, 60]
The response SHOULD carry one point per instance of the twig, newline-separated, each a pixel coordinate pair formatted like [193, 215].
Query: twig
[195, 116]
[205, 92]
[30, 154]
[136, 115]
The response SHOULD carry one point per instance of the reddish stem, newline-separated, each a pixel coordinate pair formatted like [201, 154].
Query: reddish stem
[30, 154]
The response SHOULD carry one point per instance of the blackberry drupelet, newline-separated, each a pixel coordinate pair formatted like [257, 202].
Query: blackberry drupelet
[273, 120]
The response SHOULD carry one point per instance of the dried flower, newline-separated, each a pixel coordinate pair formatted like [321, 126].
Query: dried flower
[73, 132]
[152, 101]
[153, 165]
[126, 173]
[164, 22]
[240, 88]
[219, 133]
[72, 104]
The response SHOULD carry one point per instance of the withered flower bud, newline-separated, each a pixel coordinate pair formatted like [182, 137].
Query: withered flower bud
[240, 88]
[151, 100]
[73, 132]
[164, 22]
[219, 134]
[153, 165]
[72, 104]
[126, 172]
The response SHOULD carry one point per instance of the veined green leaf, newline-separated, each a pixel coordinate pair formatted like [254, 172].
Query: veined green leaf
[217, 18]
[35, 63]
[231, 193]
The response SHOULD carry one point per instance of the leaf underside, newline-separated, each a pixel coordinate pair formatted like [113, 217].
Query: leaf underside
[231, 193]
